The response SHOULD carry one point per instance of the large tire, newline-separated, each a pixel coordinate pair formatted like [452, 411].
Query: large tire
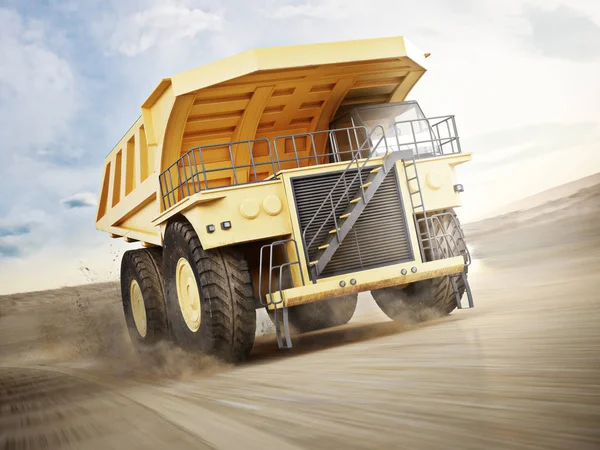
[322, 314]
[142, 296]
[213, 311]
[437, 294]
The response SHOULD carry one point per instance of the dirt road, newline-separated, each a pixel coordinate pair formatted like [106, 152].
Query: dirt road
[521, 370]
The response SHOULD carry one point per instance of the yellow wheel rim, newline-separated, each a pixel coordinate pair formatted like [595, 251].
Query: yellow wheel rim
[138, 308]
[188, 294]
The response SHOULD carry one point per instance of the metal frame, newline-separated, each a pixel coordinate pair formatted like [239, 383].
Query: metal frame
[362, 267]
[435, 134]
[168, 195]
[269, 298]
[354, 161]
[455, 247]
[189, 173]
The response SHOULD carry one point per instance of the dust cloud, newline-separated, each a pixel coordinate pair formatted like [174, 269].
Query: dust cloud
[520, 370]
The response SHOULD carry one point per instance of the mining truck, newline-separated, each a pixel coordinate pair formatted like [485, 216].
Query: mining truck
[290, 179]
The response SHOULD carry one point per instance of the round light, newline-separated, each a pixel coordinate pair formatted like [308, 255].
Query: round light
[272, 205]
[413, 269]
[250, 208]
[342, 283]
[404, 271]
[353, 281]
[434, 180]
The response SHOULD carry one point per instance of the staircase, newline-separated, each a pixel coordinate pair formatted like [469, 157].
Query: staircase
[356, 204]
[357, 192]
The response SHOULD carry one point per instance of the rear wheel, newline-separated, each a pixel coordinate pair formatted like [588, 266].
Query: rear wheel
[322, 314]
[418, 299]
[142, 296]
[209, 296]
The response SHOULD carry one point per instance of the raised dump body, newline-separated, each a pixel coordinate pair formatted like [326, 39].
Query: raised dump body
[311, 164]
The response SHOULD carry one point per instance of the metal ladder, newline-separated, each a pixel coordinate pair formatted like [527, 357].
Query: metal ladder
[424, 235]
[284, 339]
[428, 241]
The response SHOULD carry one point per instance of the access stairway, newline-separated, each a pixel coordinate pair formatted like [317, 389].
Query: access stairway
[357, 192]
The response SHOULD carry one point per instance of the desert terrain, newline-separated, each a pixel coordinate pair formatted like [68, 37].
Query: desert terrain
[519, 371]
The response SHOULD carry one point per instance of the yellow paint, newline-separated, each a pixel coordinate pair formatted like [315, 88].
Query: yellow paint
[438, 177]
[138, 308]
[250, 208]
[434, 180]
[188, 295]
[369, 280]
[262, 94]
[272, 205]
[213, 208]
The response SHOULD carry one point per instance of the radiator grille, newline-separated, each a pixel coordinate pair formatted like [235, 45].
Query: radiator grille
[379, 237]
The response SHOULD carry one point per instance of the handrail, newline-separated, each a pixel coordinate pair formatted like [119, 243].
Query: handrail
[435, 135]
[196, 175]
[329, 197]
[330, 134]
[192, 168]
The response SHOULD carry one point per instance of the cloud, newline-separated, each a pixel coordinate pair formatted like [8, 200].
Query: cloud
[10, 237]
[80, 200]
[15, 230]
[9, 250]
[38, 89]
[564, 33]
[327, 9]
[165, 22]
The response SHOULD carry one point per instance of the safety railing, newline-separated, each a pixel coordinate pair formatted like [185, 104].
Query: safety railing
[373, 150]
[269, 300]
[441, 242]
[427, 137]
[184, 178]
[257, 160]
[192, 173]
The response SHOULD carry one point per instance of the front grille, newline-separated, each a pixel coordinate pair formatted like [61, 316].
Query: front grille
[379, 237]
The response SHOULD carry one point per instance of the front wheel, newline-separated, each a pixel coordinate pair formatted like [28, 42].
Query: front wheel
[209, 296]
[322, 314]
[419, 300]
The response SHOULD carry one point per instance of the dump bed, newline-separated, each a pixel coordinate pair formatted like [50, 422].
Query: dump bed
[259, 94]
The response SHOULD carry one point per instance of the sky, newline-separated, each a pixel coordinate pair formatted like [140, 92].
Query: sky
[521, 76]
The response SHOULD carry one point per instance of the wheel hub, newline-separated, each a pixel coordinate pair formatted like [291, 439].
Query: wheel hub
[138, 308]
[188, 294]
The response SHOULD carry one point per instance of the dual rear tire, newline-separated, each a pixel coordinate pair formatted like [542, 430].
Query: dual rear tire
[200, 299]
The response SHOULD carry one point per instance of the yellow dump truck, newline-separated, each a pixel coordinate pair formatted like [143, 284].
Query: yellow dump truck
[291, 179]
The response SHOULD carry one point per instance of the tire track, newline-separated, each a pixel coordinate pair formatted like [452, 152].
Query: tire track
[42, 409]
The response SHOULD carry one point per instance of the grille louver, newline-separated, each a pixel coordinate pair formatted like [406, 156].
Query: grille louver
[379, 238]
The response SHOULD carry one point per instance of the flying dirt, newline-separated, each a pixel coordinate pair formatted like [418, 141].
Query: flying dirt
[520, 370]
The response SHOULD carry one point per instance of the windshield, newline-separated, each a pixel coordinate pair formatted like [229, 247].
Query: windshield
[403, 124]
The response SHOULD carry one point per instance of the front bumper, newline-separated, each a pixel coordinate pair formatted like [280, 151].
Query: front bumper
[366, 280]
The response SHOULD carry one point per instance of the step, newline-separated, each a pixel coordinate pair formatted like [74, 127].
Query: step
[366, 185]
[334, 231]
[313, 263]
[356, 200]
[323, 247]
[375, 170]
[345, 216]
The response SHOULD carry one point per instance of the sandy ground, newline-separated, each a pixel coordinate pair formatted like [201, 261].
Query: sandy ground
[521, 370]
